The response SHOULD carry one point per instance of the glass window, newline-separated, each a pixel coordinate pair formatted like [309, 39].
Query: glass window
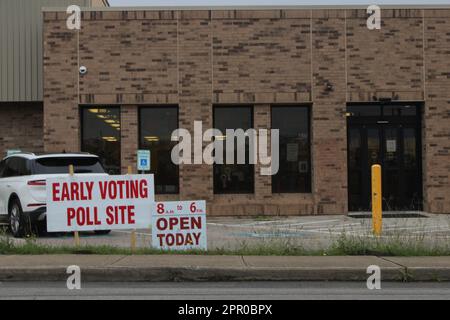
[2, 167]
[399, 110]
[233, 178]
[101, 135]
[156, 127]
[364, 110]
[294, 175]
[16, 167]
[55, 165]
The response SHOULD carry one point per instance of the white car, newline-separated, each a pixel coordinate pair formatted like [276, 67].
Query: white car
[23, 186]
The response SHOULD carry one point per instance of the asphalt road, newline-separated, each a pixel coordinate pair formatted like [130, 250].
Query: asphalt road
[226, 291]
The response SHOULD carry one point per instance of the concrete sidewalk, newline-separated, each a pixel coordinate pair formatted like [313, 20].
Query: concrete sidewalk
[106, 268]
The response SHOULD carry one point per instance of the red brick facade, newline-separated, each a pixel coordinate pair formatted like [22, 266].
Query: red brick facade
[22, 127]
[196, 59]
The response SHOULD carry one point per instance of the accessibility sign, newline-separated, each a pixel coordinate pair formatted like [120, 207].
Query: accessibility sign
[143, 160]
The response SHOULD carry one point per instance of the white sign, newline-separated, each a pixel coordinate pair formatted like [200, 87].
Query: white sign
[143, 160]
[12, 152]
[179, 225]
[85, 203]
[391, 145]
[292, 152]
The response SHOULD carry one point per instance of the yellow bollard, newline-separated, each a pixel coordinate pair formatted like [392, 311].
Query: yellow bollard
[133, 233]
[76, 235]
[377, 209]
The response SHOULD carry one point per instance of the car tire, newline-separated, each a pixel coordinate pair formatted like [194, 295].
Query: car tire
[19, 225]
[102, 232]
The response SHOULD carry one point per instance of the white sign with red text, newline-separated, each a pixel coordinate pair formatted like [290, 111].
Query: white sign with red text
[179, 225]
[88, 203]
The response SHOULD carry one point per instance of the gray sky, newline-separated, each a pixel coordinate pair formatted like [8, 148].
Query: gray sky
[267, 2]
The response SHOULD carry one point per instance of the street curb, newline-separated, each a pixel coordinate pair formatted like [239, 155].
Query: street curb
[204, 274]
[428, 274]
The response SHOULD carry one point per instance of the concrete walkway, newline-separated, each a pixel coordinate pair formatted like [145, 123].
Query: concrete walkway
[107, 268]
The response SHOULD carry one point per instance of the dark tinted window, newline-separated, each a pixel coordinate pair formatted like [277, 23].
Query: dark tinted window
[61, 165]
[16, 167]
[233, 178]
[2, 167]
[294, 174]
[399, 110]
[101, 135]
[156, 127]
[364, 110]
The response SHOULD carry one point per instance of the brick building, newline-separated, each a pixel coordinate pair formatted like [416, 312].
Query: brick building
[343, 96]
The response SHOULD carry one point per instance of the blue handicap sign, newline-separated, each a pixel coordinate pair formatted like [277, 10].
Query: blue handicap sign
[143, 157]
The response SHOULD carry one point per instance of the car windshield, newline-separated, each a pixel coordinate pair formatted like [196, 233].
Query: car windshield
[55, 165]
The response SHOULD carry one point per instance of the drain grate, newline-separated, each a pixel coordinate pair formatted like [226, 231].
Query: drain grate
[389, 214]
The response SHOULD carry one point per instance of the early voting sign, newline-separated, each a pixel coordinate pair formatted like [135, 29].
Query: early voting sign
[179, 225]
[86, 203]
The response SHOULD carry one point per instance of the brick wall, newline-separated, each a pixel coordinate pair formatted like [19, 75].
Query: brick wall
[437, 112]
[61, 109]
[22, 127]
[324, 58]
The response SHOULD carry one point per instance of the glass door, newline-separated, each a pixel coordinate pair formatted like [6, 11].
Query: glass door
[393, 141]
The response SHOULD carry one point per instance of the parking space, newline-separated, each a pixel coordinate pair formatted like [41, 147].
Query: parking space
[308, 231]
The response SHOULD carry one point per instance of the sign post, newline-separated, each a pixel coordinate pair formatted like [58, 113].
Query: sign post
[179, 225]
[377, 214]
[133, 232]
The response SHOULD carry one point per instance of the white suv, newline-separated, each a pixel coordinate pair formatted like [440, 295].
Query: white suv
[23, 186]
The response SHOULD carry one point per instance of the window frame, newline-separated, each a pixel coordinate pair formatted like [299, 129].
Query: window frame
[308, 108]
[81, 109]
[140, 146]
[252, 121]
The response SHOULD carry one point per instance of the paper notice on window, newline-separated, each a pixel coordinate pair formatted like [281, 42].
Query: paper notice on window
[292, 152]
[391, 145]
[303, 166]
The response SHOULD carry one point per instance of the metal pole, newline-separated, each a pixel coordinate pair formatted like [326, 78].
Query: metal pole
[133, 232]
[377, 214]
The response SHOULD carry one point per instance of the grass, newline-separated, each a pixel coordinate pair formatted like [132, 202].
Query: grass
[393, 245]
[32, 247]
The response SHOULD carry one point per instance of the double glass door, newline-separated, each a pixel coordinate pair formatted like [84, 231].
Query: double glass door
[391, 139]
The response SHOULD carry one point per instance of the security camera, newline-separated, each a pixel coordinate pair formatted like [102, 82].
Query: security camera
[83, 70]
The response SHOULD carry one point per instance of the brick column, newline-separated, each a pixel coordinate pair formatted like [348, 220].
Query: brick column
[195, 97]
[129, 137]
[329, 149]
[263, 184]
[436, 117]
[60, 72]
